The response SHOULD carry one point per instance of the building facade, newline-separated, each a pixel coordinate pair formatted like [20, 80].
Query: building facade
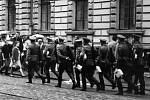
[92, 18]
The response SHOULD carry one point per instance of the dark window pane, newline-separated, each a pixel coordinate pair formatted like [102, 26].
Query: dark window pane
[127, 14]
[81, 15]
[45, 15]
[11, 15]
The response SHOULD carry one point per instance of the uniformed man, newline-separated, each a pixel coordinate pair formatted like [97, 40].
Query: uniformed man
[122, 55]
[138, 64]
[104, 63]
[88, 55]
[33, 58]
[49, 53]
[42, 60]
[78, 63]
[65, 60]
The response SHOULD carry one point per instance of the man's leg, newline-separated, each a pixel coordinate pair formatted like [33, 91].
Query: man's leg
[77, 72]
[60, 70]
[47, 65]
[53, 65]
[142, 83]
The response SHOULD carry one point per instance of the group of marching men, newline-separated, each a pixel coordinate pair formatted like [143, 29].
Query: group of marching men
[115, 61]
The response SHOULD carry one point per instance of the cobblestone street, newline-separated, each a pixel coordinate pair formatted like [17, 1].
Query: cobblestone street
[15, 88]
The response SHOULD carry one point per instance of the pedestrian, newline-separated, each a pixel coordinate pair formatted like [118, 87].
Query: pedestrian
[16, 61]
[88, 56]
[65, 60]
[6, 53]
[78, 62]
[33, 58]
[139, 65]
[42, 60]
[1, 57]
[104, 64]
[122, 55]
[49, 53]
[17, 37]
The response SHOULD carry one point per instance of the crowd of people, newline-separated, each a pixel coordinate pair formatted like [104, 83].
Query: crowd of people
[116, 60]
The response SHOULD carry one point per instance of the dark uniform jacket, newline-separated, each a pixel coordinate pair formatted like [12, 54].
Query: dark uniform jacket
[33, 50]
[138, 56]
[90, 53]
[64, 51]
[122, 56]
[103, 55]
[49, 52]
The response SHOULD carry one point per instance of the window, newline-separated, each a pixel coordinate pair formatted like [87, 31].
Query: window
[45, 15]
[81, 19]
[127, 14]
[11, 15]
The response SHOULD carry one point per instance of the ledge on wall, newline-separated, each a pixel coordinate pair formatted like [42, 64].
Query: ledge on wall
[126, 32]
[80, 33]
[45, 33]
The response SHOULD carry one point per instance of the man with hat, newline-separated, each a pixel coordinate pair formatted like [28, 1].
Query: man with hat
[104, 63]
[122, 55]
[78, 49]
[42, 60]
[65, 60]
[33, 58]
[138, 64]
[6, 54]
[49, 53]
[88, 56]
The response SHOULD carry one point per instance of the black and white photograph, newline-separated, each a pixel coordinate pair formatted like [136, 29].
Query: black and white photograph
[74, 49]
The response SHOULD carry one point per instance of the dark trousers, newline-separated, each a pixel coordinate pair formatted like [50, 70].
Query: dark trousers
[127, 77]
[5, 65]
[69, 69]
[105, 73]
[87, 73]
[33, 67]
[50, 64]
[41, 66]
[139, 76]
[77, 72]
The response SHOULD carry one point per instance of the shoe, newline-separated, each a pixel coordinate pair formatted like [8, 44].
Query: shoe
[119, 94]
[83, 89]
[58, 86]
[43, 80]
[78, 85]
[113, 86]
[99, 88]
[92, 85]
[142, 93]
[28, 82]
[74, 86]
[128, 91]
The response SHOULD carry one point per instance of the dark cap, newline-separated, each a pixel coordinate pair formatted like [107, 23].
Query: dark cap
[121, 36]
[85, 39]
[102, 40]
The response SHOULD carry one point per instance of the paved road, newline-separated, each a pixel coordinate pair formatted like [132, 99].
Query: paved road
[15, 88]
